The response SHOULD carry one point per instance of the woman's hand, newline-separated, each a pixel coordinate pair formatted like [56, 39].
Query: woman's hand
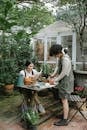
[51, 81]
[51, 76]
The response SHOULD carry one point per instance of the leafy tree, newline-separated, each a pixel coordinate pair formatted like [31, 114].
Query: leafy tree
[33, 17]
[63, 2]
[29, 0]
[76, 15]
[5, 21]
[15, 45]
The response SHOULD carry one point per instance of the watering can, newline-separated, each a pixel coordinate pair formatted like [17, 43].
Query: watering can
[20, 81]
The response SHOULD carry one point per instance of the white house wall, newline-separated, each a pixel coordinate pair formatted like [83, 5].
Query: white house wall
[58, 29]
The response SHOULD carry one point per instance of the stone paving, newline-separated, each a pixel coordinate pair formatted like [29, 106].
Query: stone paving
[4, 126]
[78, 123]
[9, 121]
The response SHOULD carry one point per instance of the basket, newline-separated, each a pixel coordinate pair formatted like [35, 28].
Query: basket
[29, 80]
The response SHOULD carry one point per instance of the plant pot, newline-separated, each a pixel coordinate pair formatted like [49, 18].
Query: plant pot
[9, 88]
[29, 80]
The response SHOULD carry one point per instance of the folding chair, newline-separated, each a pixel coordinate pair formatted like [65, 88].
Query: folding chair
[77, 99]
[74, 98]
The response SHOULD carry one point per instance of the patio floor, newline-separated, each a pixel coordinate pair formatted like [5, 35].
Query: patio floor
[78, 123]
[10, 117]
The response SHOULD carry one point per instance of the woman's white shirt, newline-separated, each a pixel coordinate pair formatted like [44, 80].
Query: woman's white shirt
[30, 74]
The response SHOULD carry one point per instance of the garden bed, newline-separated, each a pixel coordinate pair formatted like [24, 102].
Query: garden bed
[9, 107]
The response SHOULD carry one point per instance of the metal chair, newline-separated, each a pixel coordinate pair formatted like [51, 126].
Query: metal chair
[74, 98]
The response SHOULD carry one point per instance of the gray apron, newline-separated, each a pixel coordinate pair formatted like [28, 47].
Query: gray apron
[66, 84]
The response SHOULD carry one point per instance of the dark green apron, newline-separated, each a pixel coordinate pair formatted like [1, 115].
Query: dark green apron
[66, 84]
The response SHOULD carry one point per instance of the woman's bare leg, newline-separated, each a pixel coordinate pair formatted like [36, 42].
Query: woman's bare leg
[65, 108]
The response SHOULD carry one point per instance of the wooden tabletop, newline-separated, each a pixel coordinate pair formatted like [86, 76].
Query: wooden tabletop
[38, 86]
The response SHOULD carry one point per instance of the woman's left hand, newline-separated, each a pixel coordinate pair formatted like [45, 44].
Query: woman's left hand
[52, 81]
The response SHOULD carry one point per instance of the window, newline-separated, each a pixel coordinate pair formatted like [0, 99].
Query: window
[39, 49]
[85, 51]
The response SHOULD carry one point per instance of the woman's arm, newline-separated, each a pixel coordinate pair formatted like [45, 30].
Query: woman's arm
[54, 73]
[66, 67]
[56, 69]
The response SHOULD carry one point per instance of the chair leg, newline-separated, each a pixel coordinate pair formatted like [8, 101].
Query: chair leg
[78, 110]
[83, 115]
[81, 112]
[73, 116]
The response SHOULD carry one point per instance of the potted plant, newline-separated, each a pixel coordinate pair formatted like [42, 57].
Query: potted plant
[46, 70]
[8, 74]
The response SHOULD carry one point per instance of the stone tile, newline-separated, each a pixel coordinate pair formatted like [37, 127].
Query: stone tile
[4, 126]
[78, 123]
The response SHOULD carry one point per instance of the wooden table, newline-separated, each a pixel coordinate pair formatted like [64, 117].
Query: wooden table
[48, 101]
[38, 86]
[31, 91]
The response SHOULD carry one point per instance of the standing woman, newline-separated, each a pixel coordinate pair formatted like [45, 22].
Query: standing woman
[65, 80]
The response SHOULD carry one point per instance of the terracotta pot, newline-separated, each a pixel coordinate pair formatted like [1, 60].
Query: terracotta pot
[9, 88]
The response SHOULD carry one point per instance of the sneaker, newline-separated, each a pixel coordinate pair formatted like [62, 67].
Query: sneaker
[41, 109]
[63, 122]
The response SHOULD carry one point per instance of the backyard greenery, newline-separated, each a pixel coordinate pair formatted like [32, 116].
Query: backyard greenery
[46, 70]
[75, 13]
[17, 27]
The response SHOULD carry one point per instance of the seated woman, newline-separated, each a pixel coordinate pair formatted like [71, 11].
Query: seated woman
[29, 71]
